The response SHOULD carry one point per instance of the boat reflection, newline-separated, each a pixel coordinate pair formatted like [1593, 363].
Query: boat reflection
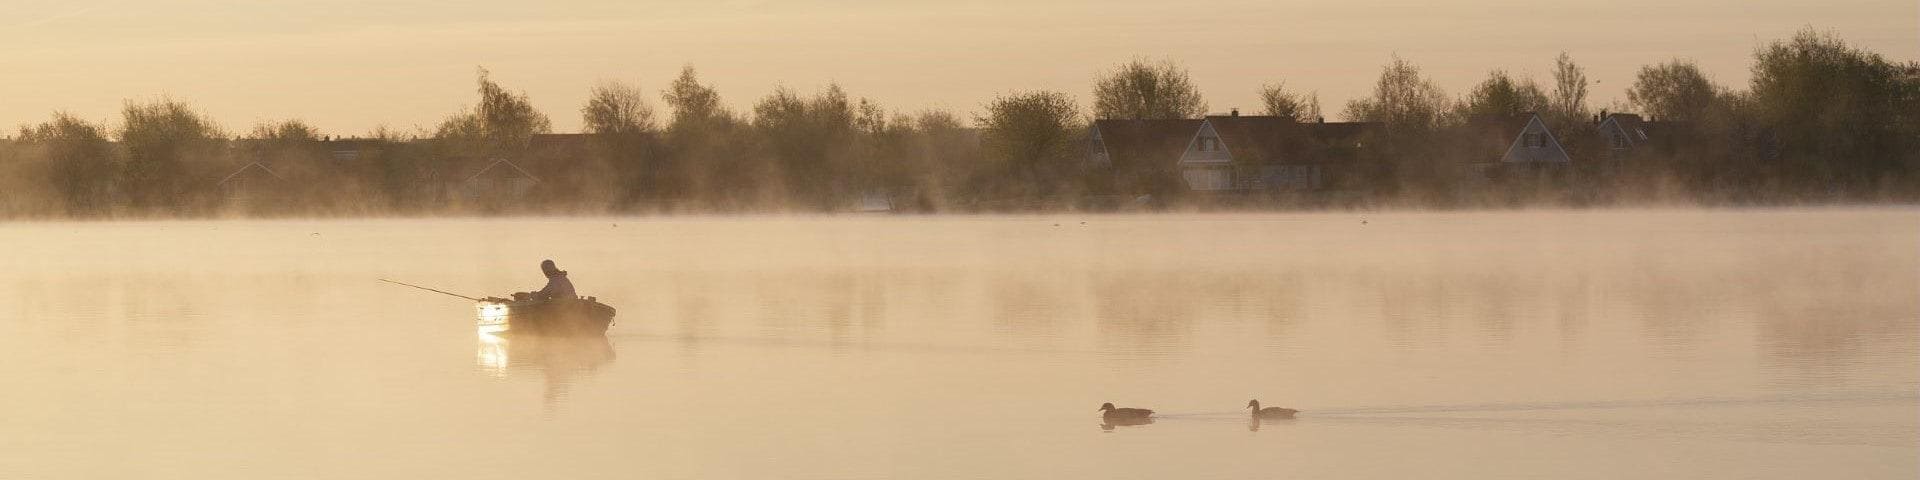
[560, 360]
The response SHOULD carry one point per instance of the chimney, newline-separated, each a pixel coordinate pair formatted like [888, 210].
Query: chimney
[1235, 112]
[1321, 119]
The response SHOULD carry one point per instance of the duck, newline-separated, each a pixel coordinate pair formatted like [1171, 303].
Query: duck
[1270, 412]
[1114, 414]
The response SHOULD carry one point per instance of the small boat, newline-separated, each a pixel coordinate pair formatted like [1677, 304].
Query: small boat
[555, 316]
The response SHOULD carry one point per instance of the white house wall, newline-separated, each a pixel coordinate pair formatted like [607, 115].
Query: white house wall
[1208, 178]
[1207, 170]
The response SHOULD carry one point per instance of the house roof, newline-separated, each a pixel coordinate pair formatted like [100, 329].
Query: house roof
[1495, 133]
[1138, 144]
[1645, 131]
[504, 166]
[1628, 122]
[253, 166]
[1266, 139]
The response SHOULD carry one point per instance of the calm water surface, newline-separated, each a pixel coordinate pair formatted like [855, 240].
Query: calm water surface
[1675, 344]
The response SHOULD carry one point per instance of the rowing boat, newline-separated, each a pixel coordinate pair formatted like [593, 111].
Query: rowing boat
[555, 316]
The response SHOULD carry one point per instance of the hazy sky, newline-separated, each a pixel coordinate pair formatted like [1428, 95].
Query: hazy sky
[350, 65]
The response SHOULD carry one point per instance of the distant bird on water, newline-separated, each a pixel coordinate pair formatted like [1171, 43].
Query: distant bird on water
[1111, 414]
[1270, 412]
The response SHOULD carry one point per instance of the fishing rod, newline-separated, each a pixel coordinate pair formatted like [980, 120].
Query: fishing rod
[430, 290]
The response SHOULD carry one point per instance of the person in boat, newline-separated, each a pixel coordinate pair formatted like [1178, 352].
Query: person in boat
[557, 284]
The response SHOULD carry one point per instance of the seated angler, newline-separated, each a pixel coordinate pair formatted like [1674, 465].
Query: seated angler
[557, 284]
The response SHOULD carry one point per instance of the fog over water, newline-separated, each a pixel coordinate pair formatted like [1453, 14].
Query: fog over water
[1520, 344]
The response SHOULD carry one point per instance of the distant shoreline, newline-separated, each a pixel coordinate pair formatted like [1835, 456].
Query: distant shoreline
[792, 214]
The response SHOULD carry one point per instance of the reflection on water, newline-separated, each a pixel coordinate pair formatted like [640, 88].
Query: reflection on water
[1109, 424]
[558, 360]
[1254, 422]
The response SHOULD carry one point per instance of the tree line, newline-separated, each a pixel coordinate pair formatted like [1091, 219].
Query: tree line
[1821, 120]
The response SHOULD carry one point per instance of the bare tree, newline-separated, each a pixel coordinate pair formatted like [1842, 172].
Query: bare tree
[810, 139]
[289, 130]
[1032, 138]
[161, 139]
[1140, 89]
[1403, 98]
[1281, 103]
[615, 108]
[1569, 90]
[79, 160]
[693, 104]
[501, 125]
[712, 154]
[461, 126]
[1501, 95]
[508, 118]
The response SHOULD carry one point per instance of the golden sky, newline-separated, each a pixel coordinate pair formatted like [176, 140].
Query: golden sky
[350, 65]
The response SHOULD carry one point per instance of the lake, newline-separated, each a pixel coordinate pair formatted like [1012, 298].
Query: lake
[1470, 345]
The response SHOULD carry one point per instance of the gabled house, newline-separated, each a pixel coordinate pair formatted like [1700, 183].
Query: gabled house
[1270, 154]
[497, 183]
[1627, 135]
[1135, 157]
[314, 173]
[1512, 142]
[251, 183]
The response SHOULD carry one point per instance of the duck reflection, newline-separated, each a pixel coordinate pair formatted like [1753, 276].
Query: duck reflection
[1110, 423]
[1254, 423]
[559, 359]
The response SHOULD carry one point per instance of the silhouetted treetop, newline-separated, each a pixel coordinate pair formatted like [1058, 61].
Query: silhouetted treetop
[1501, 95]
[1279, 102]
[1674, 90]
[1403, 98]
[1141, 89]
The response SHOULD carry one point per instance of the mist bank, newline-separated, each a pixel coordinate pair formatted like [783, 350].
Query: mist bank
[1821, 122]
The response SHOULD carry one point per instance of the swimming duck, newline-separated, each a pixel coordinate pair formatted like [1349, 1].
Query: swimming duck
[1270, 412]
[1110, 413]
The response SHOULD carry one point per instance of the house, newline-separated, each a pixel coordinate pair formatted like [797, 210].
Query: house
[1136, 157]
[496, 183]
[1236, 153]
[250, 184]
[1627, 135]
[1521, 139]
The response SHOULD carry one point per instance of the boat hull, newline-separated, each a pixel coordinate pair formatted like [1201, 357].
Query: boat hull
[570, 316]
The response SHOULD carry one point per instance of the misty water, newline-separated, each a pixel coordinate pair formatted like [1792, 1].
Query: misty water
[1550, 344]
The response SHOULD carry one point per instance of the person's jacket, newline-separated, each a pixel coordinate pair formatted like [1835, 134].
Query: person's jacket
[557, 287]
